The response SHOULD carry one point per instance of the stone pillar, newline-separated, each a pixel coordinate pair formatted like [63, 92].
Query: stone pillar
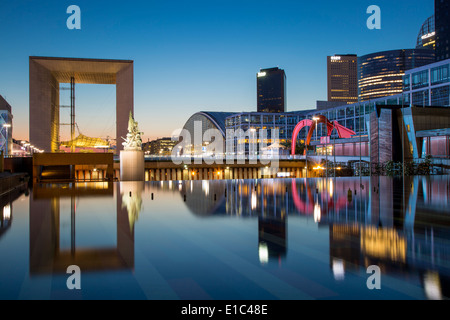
[124, 102]
[132, 165]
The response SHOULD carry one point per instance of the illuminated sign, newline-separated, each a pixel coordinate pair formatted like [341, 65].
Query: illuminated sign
[335, 58]
[429, 35]
[261, 74]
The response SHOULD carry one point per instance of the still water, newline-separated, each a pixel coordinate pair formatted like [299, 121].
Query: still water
[229, 240]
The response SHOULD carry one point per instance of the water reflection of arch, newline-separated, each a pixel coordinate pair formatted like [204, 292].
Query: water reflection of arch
[47, 257]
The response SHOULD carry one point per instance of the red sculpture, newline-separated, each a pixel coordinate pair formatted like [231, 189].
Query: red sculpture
[343, 132]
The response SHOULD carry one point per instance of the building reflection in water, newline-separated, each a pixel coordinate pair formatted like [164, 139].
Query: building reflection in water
[370, 220]
[266, 200]
[401, 226]
[46, 255]
[5, 219]
[6, 208]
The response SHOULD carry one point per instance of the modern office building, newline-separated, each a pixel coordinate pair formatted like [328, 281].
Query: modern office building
[160, 147]
[428, 85]
[376, 125]
[6, 117]
[197, 125]
[381, 74]
[350, 116]
[271, 89]
[442, 9]
[377, 137]
[343, 78]
[257, 121]
[425, 132]
[322, 105]
[427, 35]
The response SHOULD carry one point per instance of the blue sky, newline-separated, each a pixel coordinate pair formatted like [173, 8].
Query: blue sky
[194, 55]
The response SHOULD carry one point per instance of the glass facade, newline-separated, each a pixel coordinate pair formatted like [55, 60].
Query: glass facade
[428, 85]
[350, 116]
[381, 74]
[271, 88]
[440, 74]
[420, 79]
[440, 96]
[442, 29]
[427, 35]
[207, 121]
[342, 71]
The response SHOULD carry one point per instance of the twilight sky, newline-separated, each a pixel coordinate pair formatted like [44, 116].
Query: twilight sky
[193, 55]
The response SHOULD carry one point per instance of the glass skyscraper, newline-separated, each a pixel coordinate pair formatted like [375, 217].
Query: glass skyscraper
[342, 73]
[427, 35]
[271, 90]
[442, 29]
[381, 74]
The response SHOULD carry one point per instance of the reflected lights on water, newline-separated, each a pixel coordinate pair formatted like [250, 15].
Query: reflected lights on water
[338, 269]
[263, 253]
[7, 212]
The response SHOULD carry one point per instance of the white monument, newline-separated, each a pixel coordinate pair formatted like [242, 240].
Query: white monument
[132, 157]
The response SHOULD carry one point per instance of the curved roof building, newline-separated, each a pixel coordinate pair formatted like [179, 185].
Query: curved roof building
[427, 35]
[381, 74]
[208, 120]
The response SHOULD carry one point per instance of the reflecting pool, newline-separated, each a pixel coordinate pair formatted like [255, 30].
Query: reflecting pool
[229, 240]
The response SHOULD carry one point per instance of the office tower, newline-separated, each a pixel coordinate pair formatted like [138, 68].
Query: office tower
[271, 85]
[343, 78]
[381, 74]
[441, 8]
[427, 35]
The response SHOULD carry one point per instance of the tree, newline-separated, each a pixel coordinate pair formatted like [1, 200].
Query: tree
[424, 168]
[299, 148]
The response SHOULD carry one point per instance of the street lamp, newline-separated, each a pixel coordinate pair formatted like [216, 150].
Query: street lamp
[316, 119]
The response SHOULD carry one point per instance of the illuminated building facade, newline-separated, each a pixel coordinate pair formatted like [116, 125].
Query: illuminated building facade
[427, 35]
[271, 89]
[5, 127]
[258, 121]
[204, 121]
[160, 147]
[381, 74]
[442, 29]
[428, 85]
[343, 78]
